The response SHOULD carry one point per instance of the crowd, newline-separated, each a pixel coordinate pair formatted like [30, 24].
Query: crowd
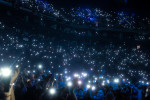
[55, 66]
[47, 86]
[87, 17]
[31, 50]
[54, 70]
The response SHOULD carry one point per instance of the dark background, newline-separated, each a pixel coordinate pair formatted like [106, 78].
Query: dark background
[139, 7]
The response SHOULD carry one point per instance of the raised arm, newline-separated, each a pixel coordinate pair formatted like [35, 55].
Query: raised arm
[10, 94]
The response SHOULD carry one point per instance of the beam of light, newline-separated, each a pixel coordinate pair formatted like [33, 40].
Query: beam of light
[6, 72]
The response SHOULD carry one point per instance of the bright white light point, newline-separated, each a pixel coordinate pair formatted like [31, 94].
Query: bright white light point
[108, 81]
[40, 66]
[69, 84]
[79, 82]
[93, 88]
[147, 83]
[76, 75]
[17, 66]
[84, 74]
[5, 72]
[65, 72]
[88, 86]
[101, 77]
[52, 91]
[103, 84]
[116, 80]
[68, 78]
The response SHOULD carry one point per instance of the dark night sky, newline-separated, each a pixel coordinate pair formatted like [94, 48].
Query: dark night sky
[141, 7]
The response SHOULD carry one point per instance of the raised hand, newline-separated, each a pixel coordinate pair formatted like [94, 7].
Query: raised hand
[14, 77]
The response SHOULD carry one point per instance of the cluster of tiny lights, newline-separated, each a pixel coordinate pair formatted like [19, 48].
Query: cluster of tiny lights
[86, 48]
